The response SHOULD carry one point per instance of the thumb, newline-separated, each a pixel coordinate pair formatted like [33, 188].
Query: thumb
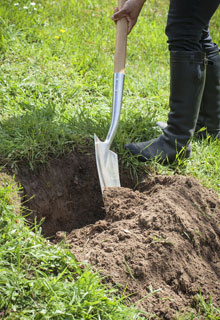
[118, 15]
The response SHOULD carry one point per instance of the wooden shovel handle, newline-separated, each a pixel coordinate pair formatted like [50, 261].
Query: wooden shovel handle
[121, 42]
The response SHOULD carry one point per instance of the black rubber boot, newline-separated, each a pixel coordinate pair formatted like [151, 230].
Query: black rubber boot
[187, 78]
[209, 115]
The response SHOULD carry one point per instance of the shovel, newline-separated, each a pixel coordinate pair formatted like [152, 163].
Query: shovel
[107, 160]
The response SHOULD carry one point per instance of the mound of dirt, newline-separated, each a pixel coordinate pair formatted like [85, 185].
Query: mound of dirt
[160, 244]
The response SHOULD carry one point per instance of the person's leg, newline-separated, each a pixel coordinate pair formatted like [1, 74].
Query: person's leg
[186, 20]
[187, 75]
[209, 114]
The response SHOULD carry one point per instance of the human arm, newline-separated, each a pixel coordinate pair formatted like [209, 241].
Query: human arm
[130, 11]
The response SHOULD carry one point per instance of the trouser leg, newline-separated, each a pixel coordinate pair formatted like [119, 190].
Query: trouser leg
[187, 21]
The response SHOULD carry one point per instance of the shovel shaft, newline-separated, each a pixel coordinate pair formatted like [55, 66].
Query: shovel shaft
[106, 160]
[119, 71]
[118, 86]
[121, 42]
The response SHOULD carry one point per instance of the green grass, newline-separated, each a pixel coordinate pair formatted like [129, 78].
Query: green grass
[56, 68]
[56, 82]
[202, 310]
[57, 86]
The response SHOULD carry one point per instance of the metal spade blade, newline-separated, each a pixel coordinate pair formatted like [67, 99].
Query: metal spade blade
[107, 160]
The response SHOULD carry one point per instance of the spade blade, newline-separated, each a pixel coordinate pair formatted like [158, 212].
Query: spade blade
[107, 165]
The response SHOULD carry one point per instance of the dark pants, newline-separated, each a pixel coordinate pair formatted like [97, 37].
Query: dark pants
[188, 24]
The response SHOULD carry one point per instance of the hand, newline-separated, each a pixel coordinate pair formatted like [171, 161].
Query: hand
[130, 11]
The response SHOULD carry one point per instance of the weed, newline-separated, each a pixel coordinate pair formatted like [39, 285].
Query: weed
[201, 310]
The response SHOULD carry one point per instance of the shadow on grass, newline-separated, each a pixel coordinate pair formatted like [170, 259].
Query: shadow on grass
[39, 134]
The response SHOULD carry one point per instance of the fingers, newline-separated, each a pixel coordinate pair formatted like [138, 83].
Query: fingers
[123, 14]
[118, 14]
[130, 11]
[115, 12]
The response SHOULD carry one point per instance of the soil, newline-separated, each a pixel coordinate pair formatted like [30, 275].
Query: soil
[65, 193]
[159, 244]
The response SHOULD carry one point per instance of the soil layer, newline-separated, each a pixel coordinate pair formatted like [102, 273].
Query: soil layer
[160, 244]
[65, 192]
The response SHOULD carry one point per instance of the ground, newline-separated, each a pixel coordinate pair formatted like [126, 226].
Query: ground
[159, 244]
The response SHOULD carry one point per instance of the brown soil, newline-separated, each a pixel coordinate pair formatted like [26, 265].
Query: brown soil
[161, 244]
[65, 192]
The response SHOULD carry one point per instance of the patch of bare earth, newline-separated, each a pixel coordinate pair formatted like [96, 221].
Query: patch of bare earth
[65, 192]
[162, 244]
